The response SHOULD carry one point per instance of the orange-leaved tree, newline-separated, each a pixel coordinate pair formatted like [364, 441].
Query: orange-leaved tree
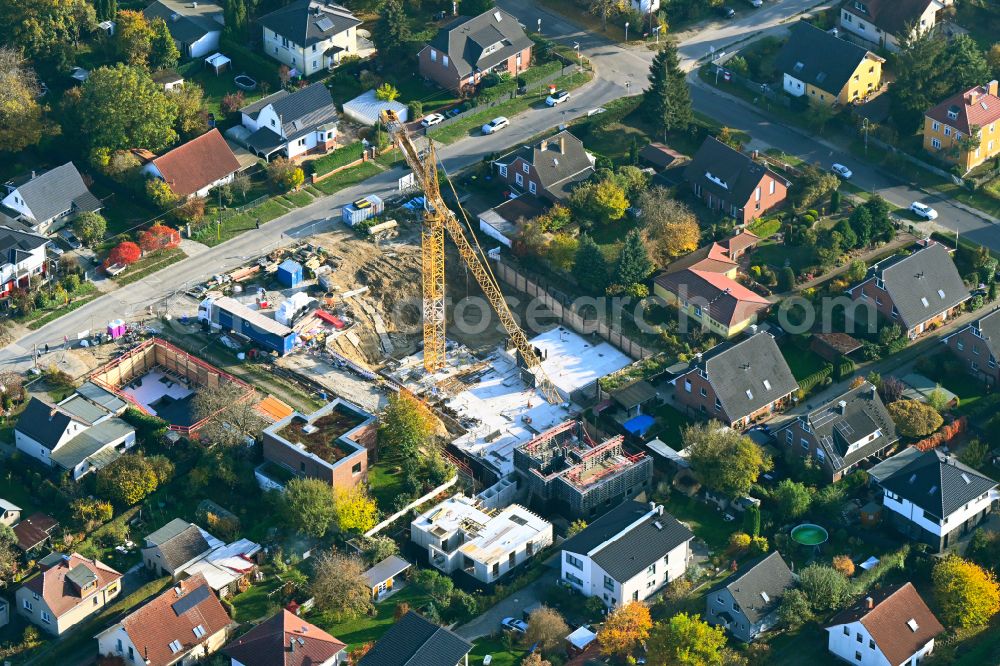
[158, 237]
[624, 628]
[124, 253]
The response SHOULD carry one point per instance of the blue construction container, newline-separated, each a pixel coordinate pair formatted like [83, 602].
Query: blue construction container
[290, 273]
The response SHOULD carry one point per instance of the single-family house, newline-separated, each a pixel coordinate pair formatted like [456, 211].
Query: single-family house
[291, 123]
[467, 49]
[548, 169]
[458, 535]
[22, 256]
[413, 640]
[731, 182]
[181, 626]
[703, 287]
[34, 532]
[737, 382]
[286, 640]
[937, 500]
[841, 435]
[228, 568]
[79, 434]
[890, 627]
[920, 290]
[176, 546]
[10, 513]
[194, 168]
[195, 26]
[978, 347]
[965, 128]
[628, 554]
[884, 22]
[504, 221]
[310, 35]
[826, 69]
[66, 591]
[746, 603]
[45, 200]
[382, 577]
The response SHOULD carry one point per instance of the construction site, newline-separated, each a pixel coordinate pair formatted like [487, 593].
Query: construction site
[567, 471]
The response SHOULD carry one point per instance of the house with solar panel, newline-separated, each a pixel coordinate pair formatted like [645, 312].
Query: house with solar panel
[310, 35]
[937, 500]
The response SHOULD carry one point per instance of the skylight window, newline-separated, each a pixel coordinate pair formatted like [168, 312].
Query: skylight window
[749, 394]
[199, 631]
[941, 293]
[498, 16]
[912, 624]
[175, 646]
[763, 595]
[767, 385]
[965, 477]
[924, 301]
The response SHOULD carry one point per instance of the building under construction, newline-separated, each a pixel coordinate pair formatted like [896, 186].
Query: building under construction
[564, 468]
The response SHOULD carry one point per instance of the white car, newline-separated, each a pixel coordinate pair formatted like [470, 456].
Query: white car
[558, 97]
[842, 171]
[510, 624]
[495, 125]
[923, 210]
[432, 119]
[756, 3]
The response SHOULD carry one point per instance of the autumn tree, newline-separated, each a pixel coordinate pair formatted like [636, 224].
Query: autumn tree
[535, 659]
[121, 107]
[90, 227]
[576, 527]
[724, 460]
[354, 510]
[914, 418]
[191, 211]
[844, 564]
[192, 112]
[604, 9]
[968, 595]
[132, 477]
[159, 237]
[339, 586]
[307, 506]
[46, 30]
[9, 557]
[231, 416]
[123, 254]
[22, 120]
[669, 227]
[826, 588]
[546, 629]
[406, 427]
[686, 640]
[133, 37]
[601, 201]
[624, 629]
[163, 52]
[791, 499]
[284, 175]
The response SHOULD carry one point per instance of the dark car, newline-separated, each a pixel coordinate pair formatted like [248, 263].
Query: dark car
[728, 12]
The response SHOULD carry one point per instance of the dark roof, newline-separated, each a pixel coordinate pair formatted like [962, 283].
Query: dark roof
[307, 22]
[43, 422]
[386, 569]
[818, 58]
[466, 39]
[17, 245]
[56, 191]
[988, 327]
[634, 394]
[641, 537]
[738, 372]
[92, 444]
[937, 483]
[759, 585]
[524, 207]
[416, 641]
[167, 532]
[300, 112]
[559, 160]
[921, 285]
[284, 640]
[891, 16]
[899, 621]
[660, 155]
[891, 465]
[185, 22]
[849, 419]
[740, 173]
[184, 547]
[34, 530]
[839, 343]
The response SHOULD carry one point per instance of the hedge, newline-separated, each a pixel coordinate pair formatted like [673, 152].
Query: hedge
[338, 158]
[845, 368]
[815, 379]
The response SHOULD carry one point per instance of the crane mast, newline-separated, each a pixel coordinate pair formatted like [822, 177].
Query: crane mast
[437, 219]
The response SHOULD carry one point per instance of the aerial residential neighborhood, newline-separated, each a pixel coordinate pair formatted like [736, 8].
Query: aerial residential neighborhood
[499, 333]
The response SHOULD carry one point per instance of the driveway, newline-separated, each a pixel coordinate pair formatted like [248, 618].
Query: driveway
[489, 622]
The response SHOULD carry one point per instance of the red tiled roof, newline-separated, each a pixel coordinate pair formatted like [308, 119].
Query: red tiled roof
[197, 163]
[284, 640]
[740, 242]
[62, 596]
[33, 530]
[164, 619]
[725, 299]
[976, 106]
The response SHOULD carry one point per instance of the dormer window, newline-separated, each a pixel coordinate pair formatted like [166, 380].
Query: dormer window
[953, 114]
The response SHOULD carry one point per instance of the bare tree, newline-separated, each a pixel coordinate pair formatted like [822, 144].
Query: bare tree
[339, 585]
[233, 418]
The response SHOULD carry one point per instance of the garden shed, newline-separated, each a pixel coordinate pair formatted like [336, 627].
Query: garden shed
[366, 109]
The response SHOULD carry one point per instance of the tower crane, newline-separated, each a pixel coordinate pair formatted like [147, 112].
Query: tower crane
[437, 219]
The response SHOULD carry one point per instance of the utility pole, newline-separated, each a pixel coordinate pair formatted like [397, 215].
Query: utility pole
[864, 125]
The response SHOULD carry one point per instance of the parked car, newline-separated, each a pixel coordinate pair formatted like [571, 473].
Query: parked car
[841, 171]
[923, 210]
[517, 626]
[73, 241]
[495, 125]
[727, 12]
[558, 97]
[432, 119]
[756, 3]
[54, 249]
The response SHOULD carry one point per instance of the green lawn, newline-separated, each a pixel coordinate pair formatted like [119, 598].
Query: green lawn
[497, 647]
[802, 362]
[386, 484]
[348, 177]
[806, 646]
[705, 521]
[359, 631]
[14, 491]
[212, 233]
[779, 255]
[152, 262]
[257, 601]
[300, 198]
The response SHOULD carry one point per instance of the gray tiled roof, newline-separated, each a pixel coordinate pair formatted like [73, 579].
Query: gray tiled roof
[989, 330]
[186, 23]
[306, 22]
[184, 547]
[738, 372]
[89, 442]
[559, 160]
[56, 191]
[167, 532]
[415, 641]
[740, 173]
[891, 465]
[83, 409]
[43, 423]
[818, 58]
[768, 574]
[929, 276]
[15, 244]
[938, 483]
[300, 112]
[101, 396]
[465, 40]
[633, 551]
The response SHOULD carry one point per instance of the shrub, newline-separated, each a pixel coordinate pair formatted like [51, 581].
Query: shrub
[284, 174]
[913, 418]
[158, 237]
[126, 253]
[815, 379]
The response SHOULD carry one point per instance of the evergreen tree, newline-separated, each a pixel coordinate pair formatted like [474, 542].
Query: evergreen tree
[667, 102]
[163, 52]
[589, 267]
[106, 9]
[475, 7]
[392, 31]
[634, 264]
[236, 18]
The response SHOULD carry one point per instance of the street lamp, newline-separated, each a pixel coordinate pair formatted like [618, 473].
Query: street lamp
[579, 63]
[626, 31]
[628, 84]
[864, 126]
[656, 31]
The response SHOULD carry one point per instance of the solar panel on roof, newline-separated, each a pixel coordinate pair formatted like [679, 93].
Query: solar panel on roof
[324, 24]
[190, 600]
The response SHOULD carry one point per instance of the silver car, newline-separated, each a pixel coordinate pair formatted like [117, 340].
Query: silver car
[495, 125]
[923, 210]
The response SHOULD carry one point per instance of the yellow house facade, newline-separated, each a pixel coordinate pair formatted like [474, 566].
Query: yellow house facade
[826, 69]
[965, 128]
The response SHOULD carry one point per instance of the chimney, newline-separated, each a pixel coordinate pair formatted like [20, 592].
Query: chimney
[659, 510]
[562, 144]
[545, 145]
[652, 506]
[842, 406]
[869, 603]
[993, 88]
[52, 413]
[973, 97]
[291, 644]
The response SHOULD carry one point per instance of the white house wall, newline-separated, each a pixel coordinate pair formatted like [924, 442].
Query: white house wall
[793, 86]
[31, 266]
[916, 515]
[107, 644]
[309, 60]
[669, 568]
[493, 232]
[206, 46]
[845, 646]
[15, 202]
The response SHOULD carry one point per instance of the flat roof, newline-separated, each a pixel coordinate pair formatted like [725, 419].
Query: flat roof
[572, 362]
